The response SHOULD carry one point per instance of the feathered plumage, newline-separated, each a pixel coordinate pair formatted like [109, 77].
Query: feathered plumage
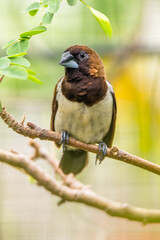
[84, 104]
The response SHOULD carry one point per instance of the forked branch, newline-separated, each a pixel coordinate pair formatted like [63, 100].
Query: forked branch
[81, 195]
[73, 190]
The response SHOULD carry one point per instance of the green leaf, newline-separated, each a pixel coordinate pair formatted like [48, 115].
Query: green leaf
[18, 47]
[33, 6]
[9, 43]
[33, 12]
[4, 63]
[34, 31]
[54, 6]
[17, 55]
[102, 20]
[31, 72]
[15, 72]
[72, 2]
[34, 79]
[24, 38]
[47, 18]
[20, 61]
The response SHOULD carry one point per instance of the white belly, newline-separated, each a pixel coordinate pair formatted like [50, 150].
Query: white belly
[87, 124]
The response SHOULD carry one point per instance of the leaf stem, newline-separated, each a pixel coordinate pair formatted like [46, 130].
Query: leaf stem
[1, 78]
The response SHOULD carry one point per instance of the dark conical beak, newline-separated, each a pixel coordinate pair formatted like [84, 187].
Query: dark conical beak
[68, 61]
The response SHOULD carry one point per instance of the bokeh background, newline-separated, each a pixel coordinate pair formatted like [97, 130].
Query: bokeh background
[132, 65]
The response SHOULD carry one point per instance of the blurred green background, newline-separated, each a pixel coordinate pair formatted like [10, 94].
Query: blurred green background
[132, 65]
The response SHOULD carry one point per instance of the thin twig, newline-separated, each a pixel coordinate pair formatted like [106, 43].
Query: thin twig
[68, 180]
[1, 78]
[23, 119]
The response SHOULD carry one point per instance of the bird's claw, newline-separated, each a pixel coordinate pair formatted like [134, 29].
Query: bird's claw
[64, 139]
[102, 150]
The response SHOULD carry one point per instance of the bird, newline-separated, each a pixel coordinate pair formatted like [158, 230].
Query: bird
[83, 107]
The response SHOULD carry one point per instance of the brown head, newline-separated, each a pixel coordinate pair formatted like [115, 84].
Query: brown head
[84, 75]
[80, 58]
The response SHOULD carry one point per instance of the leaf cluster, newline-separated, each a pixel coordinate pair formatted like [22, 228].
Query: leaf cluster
[14, 64]
[51, 7]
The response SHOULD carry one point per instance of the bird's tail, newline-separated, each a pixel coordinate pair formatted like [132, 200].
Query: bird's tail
[73, 161]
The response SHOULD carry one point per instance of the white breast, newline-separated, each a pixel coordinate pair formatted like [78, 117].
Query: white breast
[87, 124]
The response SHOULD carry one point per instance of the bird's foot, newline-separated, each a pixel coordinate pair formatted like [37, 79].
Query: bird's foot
[102, 150]
[64, 139]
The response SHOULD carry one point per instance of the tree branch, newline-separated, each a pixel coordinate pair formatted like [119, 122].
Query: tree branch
[83, 195]
[32, 131]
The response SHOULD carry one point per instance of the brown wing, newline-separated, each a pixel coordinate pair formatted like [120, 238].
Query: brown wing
[54, 110]
[108, 139]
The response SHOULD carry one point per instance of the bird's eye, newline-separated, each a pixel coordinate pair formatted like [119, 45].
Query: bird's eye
[82, 56]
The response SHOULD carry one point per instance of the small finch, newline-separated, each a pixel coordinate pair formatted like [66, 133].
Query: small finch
[83, 107]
